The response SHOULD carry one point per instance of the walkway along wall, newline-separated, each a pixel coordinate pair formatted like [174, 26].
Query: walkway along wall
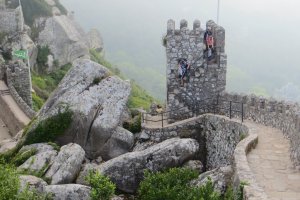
[270, 112]
[205, 79]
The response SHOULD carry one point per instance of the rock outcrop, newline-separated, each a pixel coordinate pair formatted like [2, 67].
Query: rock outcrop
[220, 177]
[69, 191]
[63, 38]
[127, 170]
[94, 40]
[97, 109]
[32, 182]
[66, 165]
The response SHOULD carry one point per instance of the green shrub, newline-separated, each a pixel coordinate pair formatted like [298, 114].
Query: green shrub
[229, 195]
[102, 187]
[37, 102]
[42, 57]
[47, 130]
[240, 192]
[9, 182]
[173, 184]
[205, 192]
[10, 186]
[134, 125]
[21, 157]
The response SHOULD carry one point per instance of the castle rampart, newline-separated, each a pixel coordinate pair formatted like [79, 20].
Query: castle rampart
[11, 20]
[282, 115]
[205, 79]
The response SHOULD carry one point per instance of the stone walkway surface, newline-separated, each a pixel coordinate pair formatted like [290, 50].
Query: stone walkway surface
[272, 167]
[14, 108]
[4, 133]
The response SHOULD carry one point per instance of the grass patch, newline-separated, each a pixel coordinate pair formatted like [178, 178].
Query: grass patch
[49, 129]
[173, 184]
[21, 157]
[37, 102]
[44, 84]
[10, 186]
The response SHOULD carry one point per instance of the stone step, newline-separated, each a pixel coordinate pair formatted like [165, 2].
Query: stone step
[4, 92]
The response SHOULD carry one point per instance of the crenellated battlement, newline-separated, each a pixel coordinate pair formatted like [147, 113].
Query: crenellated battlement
[205, 78]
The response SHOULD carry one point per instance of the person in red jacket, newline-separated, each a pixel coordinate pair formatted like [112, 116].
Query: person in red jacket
[209, 42]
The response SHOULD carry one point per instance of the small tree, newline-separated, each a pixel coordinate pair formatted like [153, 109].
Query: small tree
[102, 187]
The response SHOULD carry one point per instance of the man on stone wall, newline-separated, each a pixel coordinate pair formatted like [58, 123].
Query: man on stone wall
[183, 67]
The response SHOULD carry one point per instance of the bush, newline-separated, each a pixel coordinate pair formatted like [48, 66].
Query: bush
[134, 125]
[37, 102]
[173, 184]
[102, 187]
[10, 186]
[42, 57]
[21, 157]
[9, 182]
[47, 130]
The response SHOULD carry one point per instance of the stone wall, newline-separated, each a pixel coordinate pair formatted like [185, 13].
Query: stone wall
[270, 112]
[18, 76]
[11, 20]
[19, 83]
[216, 135]
[205, 79]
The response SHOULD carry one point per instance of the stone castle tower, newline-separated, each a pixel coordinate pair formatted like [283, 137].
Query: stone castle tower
[205, 80]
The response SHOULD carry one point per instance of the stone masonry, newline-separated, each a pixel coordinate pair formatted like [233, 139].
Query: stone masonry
[205, 79]
[217, 136]
[270, 112]
[11, 20]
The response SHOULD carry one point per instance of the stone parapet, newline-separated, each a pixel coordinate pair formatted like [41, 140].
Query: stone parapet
[242, 171]
[282, 115]
[217, 136]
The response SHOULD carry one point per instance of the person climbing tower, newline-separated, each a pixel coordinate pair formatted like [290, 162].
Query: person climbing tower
[183, 67]
[209, 42]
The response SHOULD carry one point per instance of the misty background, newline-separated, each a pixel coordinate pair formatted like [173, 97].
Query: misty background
[262, 42]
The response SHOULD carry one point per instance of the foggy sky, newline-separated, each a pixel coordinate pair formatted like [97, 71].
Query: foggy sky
[262, 42]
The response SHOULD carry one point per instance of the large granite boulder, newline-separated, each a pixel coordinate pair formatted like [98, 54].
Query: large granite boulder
[94, 40]
[97, 109]
[66, 165]
[69, 191]
[63, 37]
[220, 177]
[39, 163]
[34, 183]
[127, 170]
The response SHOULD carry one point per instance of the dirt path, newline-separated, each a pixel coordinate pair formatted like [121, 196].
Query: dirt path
[271, 164]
